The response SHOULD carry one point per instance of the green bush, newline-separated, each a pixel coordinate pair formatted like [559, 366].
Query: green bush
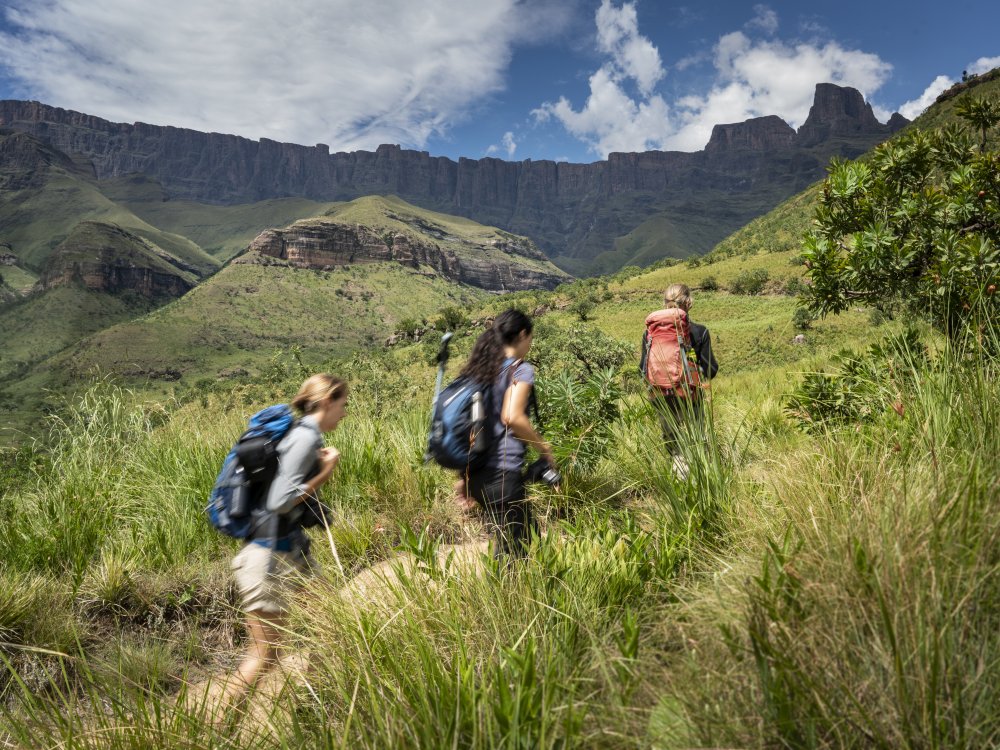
[451, 319]
[709, 284]
[864, 386]
[802, 319]
[915, 224]
[750, 282]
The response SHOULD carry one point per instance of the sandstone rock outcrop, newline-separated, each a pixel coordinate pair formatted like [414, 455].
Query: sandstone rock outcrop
[106, 258]
[320, 244]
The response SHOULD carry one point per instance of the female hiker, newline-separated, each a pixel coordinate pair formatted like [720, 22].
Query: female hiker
[276, 561]
[498, 357]
[676, 361]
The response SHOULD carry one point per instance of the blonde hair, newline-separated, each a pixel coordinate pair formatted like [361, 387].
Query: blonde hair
[677, 295]
[316, 389]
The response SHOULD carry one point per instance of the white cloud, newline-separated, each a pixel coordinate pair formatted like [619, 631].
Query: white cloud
[766, 19]
[912, 109]
[337, 71]
[753, 77]
[611, 119]
[633, 55]
[984, 64]
[507, 143]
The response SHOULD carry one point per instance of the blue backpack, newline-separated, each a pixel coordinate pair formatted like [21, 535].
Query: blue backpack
[462, 424]
[246, 475]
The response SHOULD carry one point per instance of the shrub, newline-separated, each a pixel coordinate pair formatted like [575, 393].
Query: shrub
[579, 416]
[450, 319]
[583, 307]
[709, 284]
[750, 282]
[915, 224]
[863, 387]
[794, 287]
[408, 327]
[802, 319]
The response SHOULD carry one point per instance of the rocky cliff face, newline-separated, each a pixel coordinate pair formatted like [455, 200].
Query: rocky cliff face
[839, 111]
[106, 258]
[321, 244]
[570, 210]
[758, 134]
[24, 160]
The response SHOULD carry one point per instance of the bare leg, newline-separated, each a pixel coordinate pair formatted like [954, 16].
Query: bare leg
[262, 653]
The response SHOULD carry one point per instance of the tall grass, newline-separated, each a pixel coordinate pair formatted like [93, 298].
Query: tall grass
[866, 604]
[829, 589]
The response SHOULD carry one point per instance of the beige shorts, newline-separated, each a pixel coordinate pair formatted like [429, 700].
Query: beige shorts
[266, 580]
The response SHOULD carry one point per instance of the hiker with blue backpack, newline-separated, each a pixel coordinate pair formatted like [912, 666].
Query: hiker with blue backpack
[481, 428]
[267, 494]
[677, 363]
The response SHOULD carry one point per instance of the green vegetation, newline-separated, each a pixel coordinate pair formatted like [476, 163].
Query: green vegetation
[222, 231]
[825, 577]
[917, 224]
[37, 218]
[780, 597]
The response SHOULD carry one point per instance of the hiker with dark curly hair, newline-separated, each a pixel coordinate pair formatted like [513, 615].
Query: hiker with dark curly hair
[498, 486]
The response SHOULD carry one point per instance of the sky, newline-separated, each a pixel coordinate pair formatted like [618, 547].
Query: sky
[567, 80]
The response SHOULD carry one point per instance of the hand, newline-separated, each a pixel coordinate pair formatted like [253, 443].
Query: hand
[328, 459]
[545, 450]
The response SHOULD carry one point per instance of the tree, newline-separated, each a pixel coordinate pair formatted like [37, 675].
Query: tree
[918, 224]
[980, 113]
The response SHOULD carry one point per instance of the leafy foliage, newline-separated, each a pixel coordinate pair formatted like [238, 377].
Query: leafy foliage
[579, 415]
[918, 223]
[579, 350]
[750, 282]
[864, 386]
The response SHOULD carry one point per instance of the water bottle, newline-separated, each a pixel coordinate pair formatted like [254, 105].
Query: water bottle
[477, 438]
[477, 407]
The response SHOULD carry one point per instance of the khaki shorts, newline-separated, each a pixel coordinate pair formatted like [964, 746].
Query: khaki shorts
[266, 580]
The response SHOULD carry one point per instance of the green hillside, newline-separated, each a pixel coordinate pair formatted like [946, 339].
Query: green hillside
[79, 300]
[35, 219]
[822, 575]
[222, 231]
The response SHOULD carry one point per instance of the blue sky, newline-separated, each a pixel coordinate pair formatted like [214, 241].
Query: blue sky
[516, 79]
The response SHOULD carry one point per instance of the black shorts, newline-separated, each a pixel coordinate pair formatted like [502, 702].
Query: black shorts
[502, 495]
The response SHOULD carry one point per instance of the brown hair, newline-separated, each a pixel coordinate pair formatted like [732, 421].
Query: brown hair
[677, 295]
[315, 389]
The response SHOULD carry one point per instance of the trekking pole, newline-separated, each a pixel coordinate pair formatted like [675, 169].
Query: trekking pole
[442, 360]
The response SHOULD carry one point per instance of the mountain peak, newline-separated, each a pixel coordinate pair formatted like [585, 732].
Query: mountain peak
[841, 110]
[757, 134]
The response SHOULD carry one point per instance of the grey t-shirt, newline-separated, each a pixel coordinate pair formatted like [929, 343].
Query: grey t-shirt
[297, 459]
[508, 451]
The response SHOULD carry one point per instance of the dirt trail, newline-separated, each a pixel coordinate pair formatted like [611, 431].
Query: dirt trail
[264, 713]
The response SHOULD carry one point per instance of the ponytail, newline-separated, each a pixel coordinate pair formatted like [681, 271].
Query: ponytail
[316, 389]
[487, 355]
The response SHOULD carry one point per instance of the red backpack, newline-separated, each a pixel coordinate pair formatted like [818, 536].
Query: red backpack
[669, 360]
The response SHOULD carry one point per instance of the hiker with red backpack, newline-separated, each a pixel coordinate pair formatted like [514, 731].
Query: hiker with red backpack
[267, 495]
[677, 363]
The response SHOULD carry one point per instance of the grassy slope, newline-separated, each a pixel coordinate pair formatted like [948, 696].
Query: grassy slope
[455, 233]
[18, 278]
[35, 221]
[847, 598]
[223, 231]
